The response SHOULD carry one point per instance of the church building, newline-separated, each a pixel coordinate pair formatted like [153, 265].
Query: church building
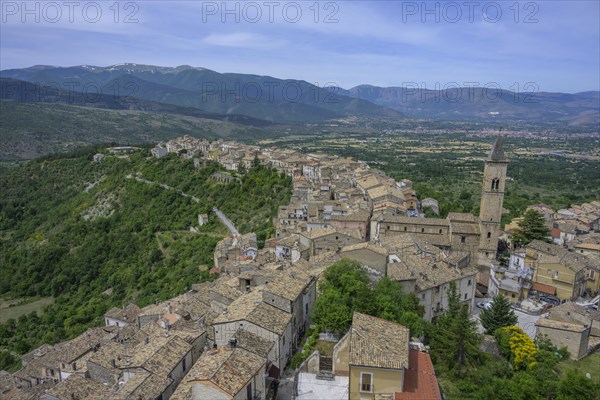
[460, 232]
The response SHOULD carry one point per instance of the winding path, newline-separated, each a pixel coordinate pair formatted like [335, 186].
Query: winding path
[226, 221]
[218, 212]
[164, 186]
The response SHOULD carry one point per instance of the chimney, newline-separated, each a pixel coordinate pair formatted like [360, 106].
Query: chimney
[233, 342]
[112, 362]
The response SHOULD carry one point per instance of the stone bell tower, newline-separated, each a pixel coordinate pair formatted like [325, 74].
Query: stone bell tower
[492, 197]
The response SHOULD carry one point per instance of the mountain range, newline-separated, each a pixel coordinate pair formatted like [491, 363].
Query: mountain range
[232, 96]
[261, 97]
[484, 103]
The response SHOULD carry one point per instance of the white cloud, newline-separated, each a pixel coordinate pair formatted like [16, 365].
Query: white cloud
[243, 40]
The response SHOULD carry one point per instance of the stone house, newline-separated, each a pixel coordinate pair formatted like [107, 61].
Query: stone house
[77, 387]
[374, 360]
[427, 271]
[224, 374]
[320, 241]
[371, 256]
[558, 269]
[294, 292]
[121, 316]
[250, 313]
[378, 356]
[575, 337]
[288, 249]
[355, 220]
[575, 314]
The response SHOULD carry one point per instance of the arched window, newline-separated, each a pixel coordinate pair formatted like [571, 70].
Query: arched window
[489, 235]
[495, 184]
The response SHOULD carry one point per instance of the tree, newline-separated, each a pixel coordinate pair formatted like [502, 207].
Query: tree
[347, 288]
[575, 386]
[455, 339]
[8, 362]
[331, 312]
[531, 227]
[500, 314]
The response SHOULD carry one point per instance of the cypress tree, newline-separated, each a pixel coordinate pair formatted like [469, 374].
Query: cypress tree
[532, 227]
[499, 315]
[455, 339]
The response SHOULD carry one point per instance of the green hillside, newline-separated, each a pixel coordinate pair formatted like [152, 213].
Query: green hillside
[29, 130]
[86, 235]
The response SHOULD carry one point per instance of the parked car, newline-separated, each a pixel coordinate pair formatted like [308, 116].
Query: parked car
[487, 304]
[550, 299]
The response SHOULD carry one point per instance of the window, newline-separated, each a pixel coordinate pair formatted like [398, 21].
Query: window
[422, 230]
[555, 274]
[405, 228]
[423, 296]
[465, 296]
[469, 283]
[462, 239]
[512, 295]
[437, 290]
[489, 235]
[366, 382]
[440, 231]
[184, 365]
[592, 274]
[495, 184]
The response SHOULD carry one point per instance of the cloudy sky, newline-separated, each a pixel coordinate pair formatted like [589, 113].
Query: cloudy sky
[553, 45]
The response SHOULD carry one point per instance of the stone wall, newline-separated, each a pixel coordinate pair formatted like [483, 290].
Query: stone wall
[576, 342]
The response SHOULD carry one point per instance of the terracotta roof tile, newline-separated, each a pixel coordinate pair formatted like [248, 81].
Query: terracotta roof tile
[375, 342]
[420, 382]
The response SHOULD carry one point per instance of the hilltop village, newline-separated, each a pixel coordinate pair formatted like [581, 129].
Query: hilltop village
[234, 337]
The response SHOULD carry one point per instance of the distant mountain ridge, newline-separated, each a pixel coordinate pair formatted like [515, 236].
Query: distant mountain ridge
[291, 101]
[27, 92]
[473, 103]
[261, 97]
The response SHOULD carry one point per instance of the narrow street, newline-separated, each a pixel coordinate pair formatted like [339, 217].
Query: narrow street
[526, 321]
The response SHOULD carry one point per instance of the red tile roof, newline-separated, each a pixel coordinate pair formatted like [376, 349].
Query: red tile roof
[542, 287]
[555, 233]
[420, 382]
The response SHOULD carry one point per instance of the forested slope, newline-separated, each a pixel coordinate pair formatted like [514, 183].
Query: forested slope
[73, 229]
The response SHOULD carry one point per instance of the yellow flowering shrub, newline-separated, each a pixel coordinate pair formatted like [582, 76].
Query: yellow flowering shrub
[521, 348]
